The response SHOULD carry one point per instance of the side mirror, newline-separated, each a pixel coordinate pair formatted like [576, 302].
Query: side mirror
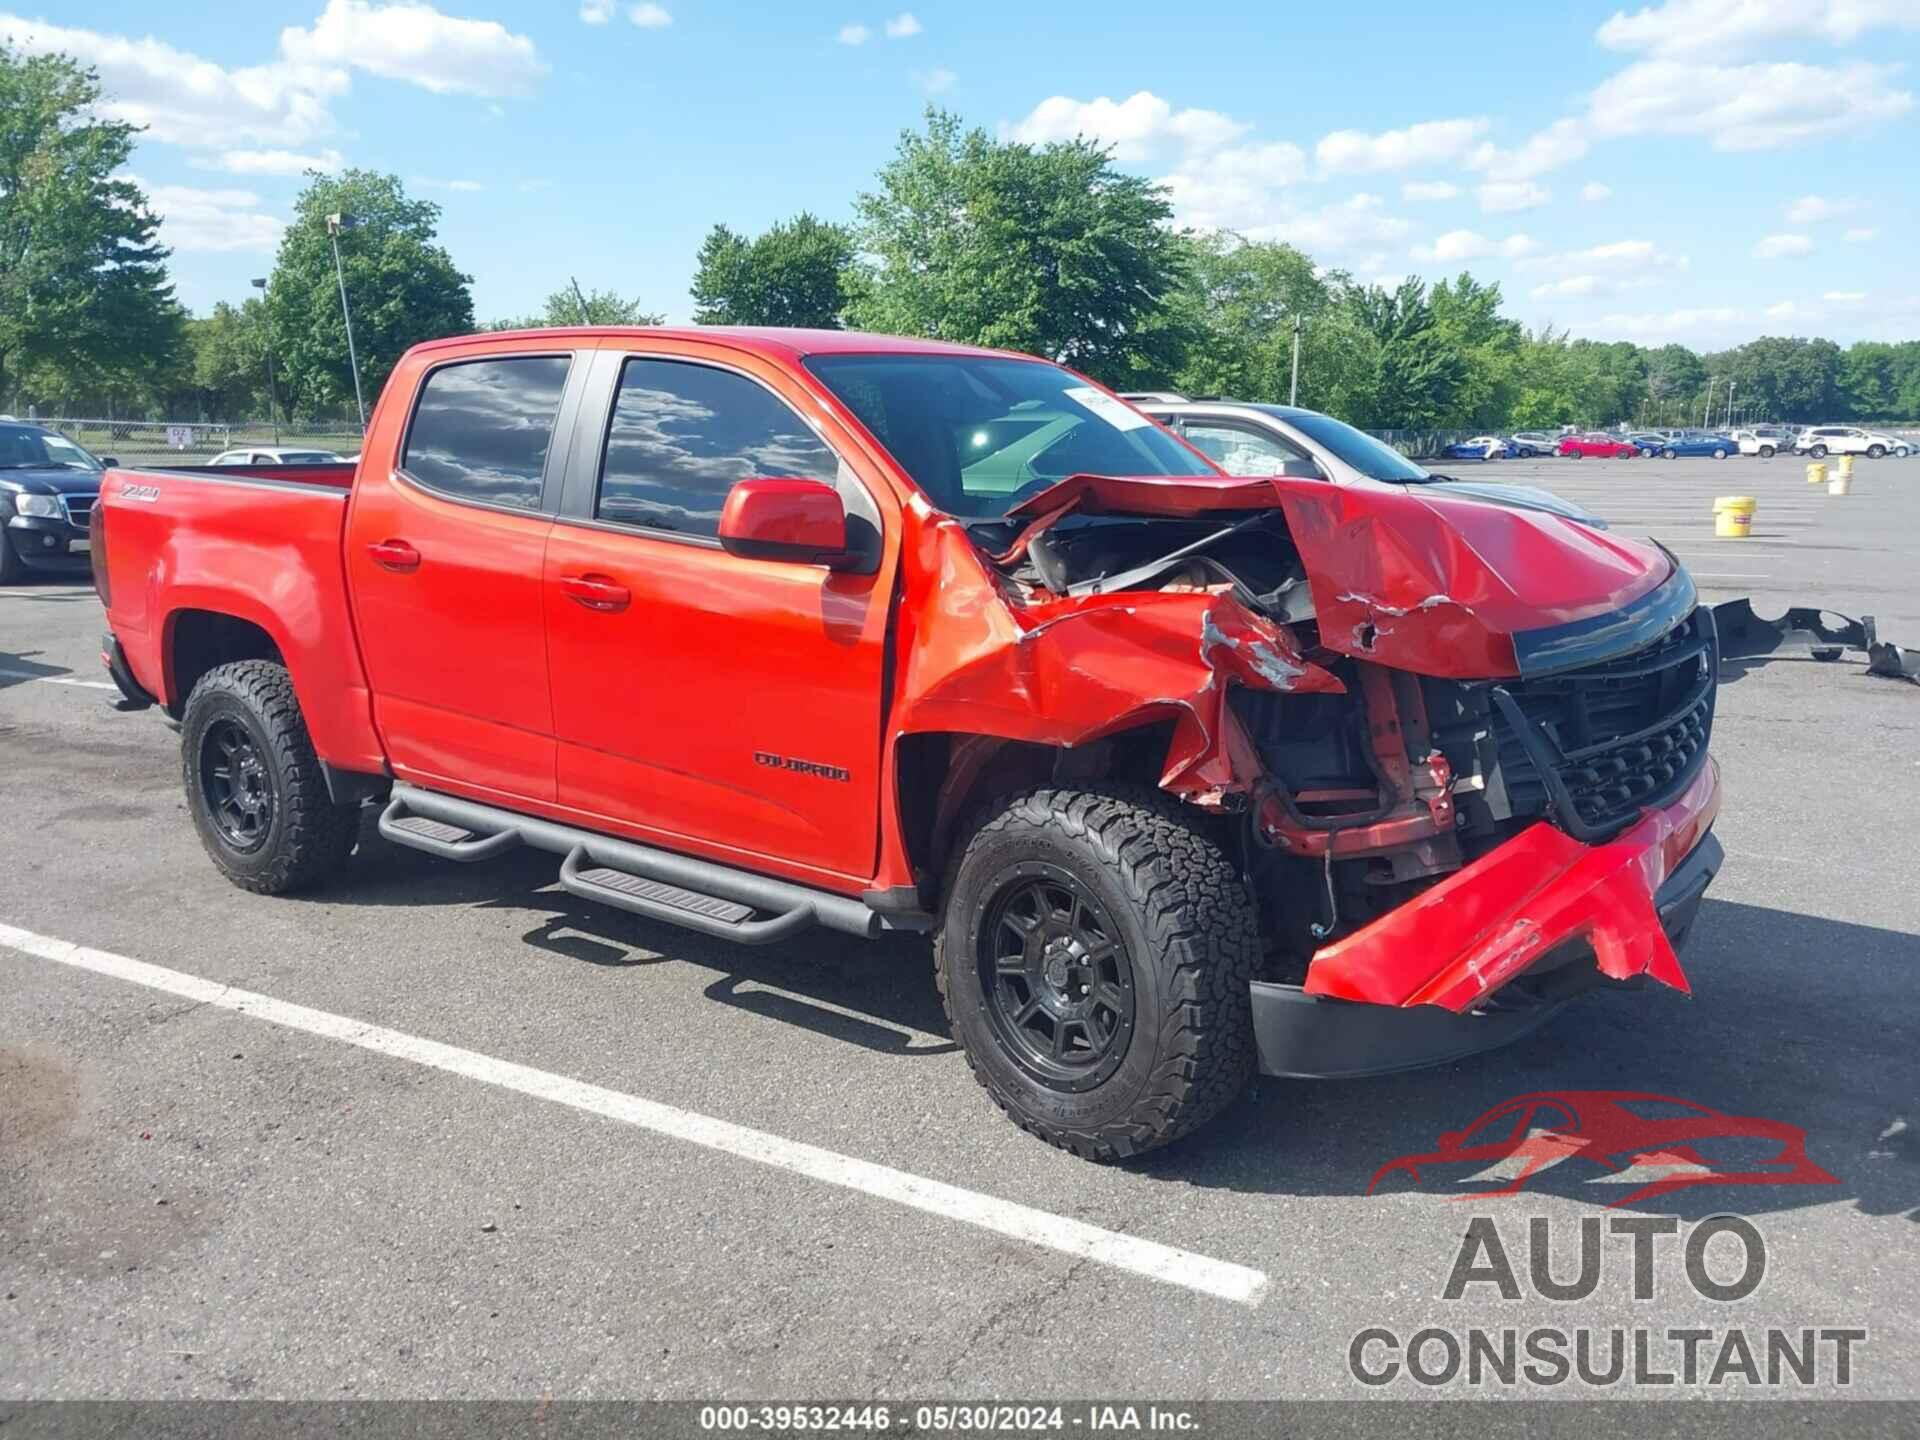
[804, 521]
[110, 462]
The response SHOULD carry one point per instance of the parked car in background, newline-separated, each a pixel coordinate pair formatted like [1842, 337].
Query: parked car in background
[1480, 447]
[1823, 440]
[1699, 442]
[1752, 442]
[48, 486]
[1528, 443]
[1597, 446]
[1247, 439]
[276, 455]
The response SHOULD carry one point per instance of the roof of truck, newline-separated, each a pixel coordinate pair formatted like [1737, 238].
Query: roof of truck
[770, 339]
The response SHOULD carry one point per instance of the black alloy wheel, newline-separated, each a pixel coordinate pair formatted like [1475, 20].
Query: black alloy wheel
[1057, 979]
[237, 785]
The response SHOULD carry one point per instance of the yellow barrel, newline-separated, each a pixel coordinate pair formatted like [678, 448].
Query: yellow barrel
[1733, 516]
[1816, 473]
[1846, 465]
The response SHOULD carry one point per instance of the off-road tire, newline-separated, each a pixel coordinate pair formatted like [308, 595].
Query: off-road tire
[308, 836]
[1190, 933]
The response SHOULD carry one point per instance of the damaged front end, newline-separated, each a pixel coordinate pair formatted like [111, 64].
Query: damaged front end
[1463, 748]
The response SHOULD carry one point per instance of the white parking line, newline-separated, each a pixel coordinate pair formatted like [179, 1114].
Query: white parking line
[11, 674]
[1004, 1217]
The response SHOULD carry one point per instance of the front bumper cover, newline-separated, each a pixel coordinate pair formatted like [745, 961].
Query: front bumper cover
[1493, 951]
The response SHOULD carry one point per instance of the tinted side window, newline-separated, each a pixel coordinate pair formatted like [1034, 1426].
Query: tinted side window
[481, 429]
[681, 434]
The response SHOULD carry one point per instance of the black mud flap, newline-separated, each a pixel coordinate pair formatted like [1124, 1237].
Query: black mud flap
[1821, 633]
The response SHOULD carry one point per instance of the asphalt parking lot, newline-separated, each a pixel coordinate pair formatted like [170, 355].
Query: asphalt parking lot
[197, 1201]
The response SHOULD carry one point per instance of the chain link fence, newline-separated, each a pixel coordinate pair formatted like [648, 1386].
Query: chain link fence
[160, 442]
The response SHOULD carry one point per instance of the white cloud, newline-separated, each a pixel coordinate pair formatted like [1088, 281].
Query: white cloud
[270, 162]
[1345, 228]
[650, 16]
[1561, 143]
[1714, 27]
[1432, 142]
[182, 99]
[1782, 247]
[596, 12]
[1705, 323]
[1573, 287]
[462, 187]
[221, 220]
[1613, 257]
[1593, 192]
[1429, 190]
[1787, 310]
[1499, 197]
[1746, 107]
[1811, 209]
[1471, 245]
[854, 35]
[937, 81]
[1860, 234]
[1845, 297]
[1131, 126]
[903, 25]
[417, 44]
[1236, 188]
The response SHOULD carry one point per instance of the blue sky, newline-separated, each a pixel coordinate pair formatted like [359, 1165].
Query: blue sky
[1694, 170]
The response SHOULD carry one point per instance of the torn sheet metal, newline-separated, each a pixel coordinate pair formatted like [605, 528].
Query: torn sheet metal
[1824, 634]
[1484, 925]
[1404, 575]
[1070, 671]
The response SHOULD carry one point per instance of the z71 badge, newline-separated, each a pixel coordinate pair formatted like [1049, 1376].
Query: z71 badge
[804, 767]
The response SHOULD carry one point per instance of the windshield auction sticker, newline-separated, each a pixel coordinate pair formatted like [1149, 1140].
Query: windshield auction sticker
[1120, 416]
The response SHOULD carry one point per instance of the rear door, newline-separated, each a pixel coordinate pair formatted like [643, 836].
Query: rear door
[710, 700]
[444, 555]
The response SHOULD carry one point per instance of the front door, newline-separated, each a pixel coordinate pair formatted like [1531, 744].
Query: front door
[700, 696]
[444, 560]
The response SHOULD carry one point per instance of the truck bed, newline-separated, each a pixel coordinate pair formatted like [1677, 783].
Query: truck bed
[205, 546]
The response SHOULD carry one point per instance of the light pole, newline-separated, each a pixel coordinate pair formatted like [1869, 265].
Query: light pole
[1293, 390]
[273, 398]
[1706, 414]
[337, 222]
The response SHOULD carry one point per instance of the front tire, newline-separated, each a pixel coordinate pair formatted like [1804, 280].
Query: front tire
[1669, 453]
[1818, 452]
[254, 784]
[1719, 454]
[1094, 960]
[1766, 452]
[12, 567]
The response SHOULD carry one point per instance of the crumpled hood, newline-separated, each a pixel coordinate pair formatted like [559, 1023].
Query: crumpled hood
[1406, 575]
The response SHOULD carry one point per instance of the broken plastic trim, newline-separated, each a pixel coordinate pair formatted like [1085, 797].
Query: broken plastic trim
[1745, 636]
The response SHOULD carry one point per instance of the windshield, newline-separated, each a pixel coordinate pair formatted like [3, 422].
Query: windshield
[1373, 459]
[23, 447]
[978, 433]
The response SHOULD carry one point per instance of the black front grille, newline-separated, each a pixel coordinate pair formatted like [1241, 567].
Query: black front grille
[79, 509]
[1595, 746]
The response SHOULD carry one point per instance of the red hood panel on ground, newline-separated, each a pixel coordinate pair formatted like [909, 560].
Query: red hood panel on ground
[1405, 575]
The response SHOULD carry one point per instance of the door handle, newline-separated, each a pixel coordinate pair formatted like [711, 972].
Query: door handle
[596, 592]
[394, 555]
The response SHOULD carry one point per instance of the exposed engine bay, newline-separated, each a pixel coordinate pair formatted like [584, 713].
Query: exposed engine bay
[1381, 782]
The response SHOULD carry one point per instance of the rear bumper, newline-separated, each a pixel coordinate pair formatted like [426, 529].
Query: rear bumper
[1493, 951]
[133, 695]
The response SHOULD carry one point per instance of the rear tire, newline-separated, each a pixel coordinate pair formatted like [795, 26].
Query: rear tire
[254, 784]
[1767, 452]
[1719, 454]
[1124, 936]
[1818, 452]
[1876, 452]
[1668, 453]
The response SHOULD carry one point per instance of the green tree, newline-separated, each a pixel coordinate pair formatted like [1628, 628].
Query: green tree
[589, 307]
[402, 286]
[1237, 302]
[1869, 383]
[83, 281]
[1466, 316]
[229, 361]
[1676, 386]
[1048, 249]
[1416, 374]
[798, 273]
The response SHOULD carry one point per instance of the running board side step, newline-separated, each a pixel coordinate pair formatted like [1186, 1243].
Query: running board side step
[701, 895]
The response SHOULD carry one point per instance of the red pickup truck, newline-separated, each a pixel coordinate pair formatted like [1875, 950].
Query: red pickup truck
[758, 630]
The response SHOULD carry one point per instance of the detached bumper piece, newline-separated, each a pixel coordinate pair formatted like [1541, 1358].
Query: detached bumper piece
[1317, 1036]
[1745, 636]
